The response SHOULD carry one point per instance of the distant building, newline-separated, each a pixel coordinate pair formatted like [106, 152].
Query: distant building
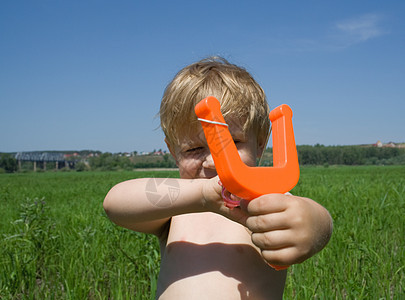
[378, 144]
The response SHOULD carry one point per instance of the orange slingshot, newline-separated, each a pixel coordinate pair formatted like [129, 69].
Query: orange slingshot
[236, 177]
[239, 179]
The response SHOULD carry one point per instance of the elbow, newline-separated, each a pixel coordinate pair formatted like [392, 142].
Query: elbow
[116, 204]
[110, 208]
[111, 203]
[107, 204]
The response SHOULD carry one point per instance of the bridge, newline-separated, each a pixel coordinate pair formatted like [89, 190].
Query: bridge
[41, 158]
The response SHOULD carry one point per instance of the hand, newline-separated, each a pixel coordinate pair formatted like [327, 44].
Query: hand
[213, 201]
[288, 229]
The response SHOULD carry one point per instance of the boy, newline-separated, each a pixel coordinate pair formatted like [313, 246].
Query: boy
[210, 251]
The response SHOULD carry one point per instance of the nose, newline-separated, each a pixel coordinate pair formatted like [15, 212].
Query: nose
[208, 162]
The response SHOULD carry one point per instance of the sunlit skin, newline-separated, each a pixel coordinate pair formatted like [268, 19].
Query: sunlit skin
[210, 251]
[193, 156]
[227, 253]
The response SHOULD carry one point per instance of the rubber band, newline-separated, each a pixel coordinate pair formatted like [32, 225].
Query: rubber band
[212, 122]
[227, 199]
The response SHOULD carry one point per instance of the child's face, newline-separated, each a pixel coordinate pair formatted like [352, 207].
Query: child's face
[194, 159]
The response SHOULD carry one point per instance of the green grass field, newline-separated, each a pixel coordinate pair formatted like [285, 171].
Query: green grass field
[57, 243]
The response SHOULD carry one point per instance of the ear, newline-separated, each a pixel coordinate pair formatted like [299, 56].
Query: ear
[261, 146]
[171, 150]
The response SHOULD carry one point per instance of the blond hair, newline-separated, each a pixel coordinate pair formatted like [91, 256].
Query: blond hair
[241, 97]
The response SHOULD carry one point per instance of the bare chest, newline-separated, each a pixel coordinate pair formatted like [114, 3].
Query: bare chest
[206, 254]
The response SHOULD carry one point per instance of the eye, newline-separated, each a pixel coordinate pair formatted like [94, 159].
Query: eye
[195, 149]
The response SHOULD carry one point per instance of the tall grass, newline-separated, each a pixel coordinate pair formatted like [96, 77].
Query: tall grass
[365, 258]
[57, 243]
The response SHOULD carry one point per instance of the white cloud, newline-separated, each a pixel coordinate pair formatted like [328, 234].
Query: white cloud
[360, 29]
[335, 36]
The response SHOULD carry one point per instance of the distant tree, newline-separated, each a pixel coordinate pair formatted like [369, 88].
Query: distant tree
[348, 155]
[8, 163]
[81, 166]
[108, 162]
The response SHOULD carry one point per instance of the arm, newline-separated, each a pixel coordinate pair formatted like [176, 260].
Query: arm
[134, 204]
[288, 229]
[147, 204]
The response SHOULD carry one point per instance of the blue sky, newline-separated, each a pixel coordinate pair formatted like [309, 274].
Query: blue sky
[78, 75]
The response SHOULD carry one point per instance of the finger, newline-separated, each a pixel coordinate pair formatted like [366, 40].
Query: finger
[273, 240]
[267, 222]
[270, 203]
[283, 257]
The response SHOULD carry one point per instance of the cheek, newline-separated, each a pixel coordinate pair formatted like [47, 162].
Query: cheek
[248, 157]
[189, 167]
[249, 161]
